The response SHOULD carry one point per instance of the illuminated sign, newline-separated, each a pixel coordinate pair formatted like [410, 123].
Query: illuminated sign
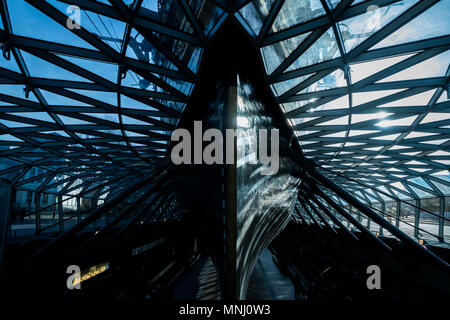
[91, 272]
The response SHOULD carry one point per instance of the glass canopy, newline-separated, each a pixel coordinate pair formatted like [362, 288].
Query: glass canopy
[90, 93]
[365, 87]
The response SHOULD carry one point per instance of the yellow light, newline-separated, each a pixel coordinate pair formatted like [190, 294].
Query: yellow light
[91, 272]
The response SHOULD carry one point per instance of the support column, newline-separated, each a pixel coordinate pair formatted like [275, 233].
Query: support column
[441, 215]
[383, 210]
[38, 212]
[78, 210]
[397, 214]
[416, 219]
[231, 285]
[60, 214]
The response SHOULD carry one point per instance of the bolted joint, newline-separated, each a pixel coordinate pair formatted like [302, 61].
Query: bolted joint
[347, 70]
[123, 71]
[6, 50]
[28, 88]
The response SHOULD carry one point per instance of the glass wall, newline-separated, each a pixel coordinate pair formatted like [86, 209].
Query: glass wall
[427, 221]
[417, 218]
[46, 213]
[447, 215]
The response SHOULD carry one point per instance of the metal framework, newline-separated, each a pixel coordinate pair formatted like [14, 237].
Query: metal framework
[363, 84]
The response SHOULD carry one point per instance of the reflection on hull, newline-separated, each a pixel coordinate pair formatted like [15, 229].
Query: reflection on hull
[264, 203]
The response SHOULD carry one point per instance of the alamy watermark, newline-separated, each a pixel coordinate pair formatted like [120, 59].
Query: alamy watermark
[74, 20]
[74, 280]
[374, 280]
[256, 142]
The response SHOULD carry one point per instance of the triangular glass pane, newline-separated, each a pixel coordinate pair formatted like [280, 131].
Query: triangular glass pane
[134, 80]
[111, 31]
[325, 48]
[186, 52]
[433, 67]
[357, 29]
[360, 117]
[112, 117]
[275, 54]
[17, 90]
[295, 12]
[340, 103]
[340, 134]
[365, 97]
[444, 97]
[335, 79]
[130, 120]
[103, 96]
[130, 103]
[338, 121]
[407, 121]
[420, 99]
[68, 120]
[58, 100]
[207, 14]
[166, 12]
[432, 23]
[256, 12]
[389, 137]
[435, 116]
[417, 134]
[442, 187]
[182, 86]
[282, 87]
[354, 133]
[334, 3]
[43, 116]
[9, 64]
[102, 69]
[40, 68]
[421, 193]
[363, 70]
[40, 26]
[141, 49]
[15, 124]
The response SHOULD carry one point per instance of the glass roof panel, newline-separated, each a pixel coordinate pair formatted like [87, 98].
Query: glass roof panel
[9, 64]
[40, 68]
[60, 100]
[435, 116]
[140, 48]
[432, 23]
[433, 67]
[162, 58]
[363, 70]
[17, 90]
[325, 48]
[335, 79]
[357, 29]
[207, 14]
[281, 87]
[40, 26]
[275, 54]
[445, 189]
[100, 68]
[256, 12]
[297, 11]
[167, 12]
